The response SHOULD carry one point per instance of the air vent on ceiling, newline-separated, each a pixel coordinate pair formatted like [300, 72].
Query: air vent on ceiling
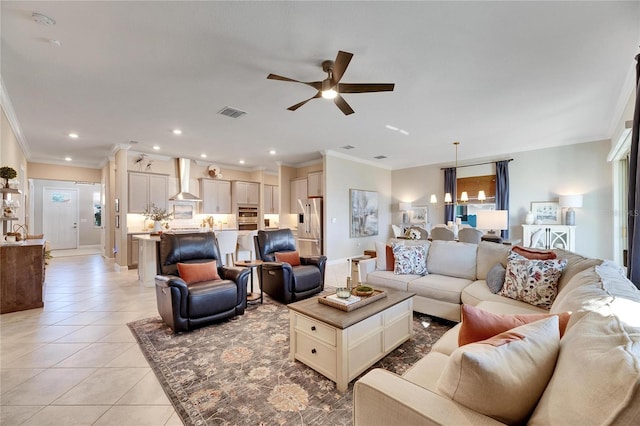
[231, 112]
[348, 147]
[380, 157]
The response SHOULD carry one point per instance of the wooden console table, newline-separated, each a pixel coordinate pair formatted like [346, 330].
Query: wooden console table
[21, 275]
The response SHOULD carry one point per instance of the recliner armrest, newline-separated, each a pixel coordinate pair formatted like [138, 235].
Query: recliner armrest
[234, 273]
[313, 260]
[175, 283]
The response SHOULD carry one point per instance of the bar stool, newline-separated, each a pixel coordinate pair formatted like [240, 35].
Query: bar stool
[227, 241]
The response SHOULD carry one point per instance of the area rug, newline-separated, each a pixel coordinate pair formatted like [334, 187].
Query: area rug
[239, 372]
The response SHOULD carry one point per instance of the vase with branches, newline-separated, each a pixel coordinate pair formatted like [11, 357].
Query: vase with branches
[157, 215]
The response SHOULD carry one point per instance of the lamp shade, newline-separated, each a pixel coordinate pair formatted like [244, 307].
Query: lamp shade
[492, 219]
[433, 199]
[447, 198]
[403, 207]
[481, 195]
[570, 201]
[464, 196]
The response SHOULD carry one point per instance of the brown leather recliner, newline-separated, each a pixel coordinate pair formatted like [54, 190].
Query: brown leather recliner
[282, 281]
[185, 306]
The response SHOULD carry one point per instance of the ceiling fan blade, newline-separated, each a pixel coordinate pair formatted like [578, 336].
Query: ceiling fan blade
[365, 87]
[299, 104]
[343, 105]
[340, 65]
[315, 84]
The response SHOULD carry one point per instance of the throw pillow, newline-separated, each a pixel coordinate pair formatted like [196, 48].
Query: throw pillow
[478, 324]
[534, 254]
[410, 259]
[495, 278]
[290, 257]
[505, 376]
[532, 281]
[197, 272]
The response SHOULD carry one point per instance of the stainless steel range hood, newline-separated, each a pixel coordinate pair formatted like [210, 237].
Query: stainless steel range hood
[184, 167]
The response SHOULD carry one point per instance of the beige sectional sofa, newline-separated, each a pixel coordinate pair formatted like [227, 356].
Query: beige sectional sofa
[595, 378]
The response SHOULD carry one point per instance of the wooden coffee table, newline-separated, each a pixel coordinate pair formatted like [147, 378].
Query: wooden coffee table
[341, 345]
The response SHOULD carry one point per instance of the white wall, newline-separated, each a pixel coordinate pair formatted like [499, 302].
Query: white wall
[341, 175]
[540, 175]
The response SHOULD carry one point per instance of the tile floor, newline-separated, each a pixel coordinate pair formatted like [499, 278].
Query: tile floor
[75, 360]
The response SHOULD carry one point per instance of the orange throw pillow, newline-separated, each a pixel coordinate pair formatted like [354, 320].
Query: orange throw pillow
[391, 261]
[534, 254]
[478, 324]
[197, 272]
[290, 257]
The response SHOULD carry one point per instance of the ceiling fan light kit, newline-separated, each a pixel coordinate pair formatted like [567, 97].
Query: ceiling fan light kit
[331, 88]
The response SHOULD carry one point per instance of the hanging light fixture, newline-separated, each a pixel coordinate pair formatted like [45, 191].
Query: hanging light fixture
[481, 196]
[464, 197]
[448, 199]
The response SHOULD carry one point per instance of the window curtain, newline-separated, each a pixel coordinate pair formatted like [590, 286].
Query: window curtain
[502, 190]
[450, 187]
[633, 243]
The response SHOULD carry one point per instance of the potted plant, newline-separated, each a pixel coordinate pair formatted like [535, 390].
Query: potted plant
[7, 173]
[157, 215]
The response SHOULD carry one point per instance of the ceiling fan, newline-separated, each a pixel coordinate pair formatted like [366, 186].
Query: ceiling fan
[331, 88]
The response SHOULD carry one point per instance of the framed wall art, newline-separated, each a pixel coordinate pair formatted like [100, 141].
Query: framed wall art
[364, 213]
[546, 212]
[183, 211]
[418, 215]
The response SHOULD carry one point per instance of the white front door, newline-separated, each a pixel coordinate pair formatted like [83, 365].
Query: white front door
[60, 217]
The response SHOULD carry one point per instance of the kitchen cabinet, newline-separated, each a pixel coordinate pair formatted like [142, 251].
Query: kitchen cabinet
[314, 184]
[298, 192]
[132, 250]
[216, 196]
[245, 192]
[146, 189]
[271, 199]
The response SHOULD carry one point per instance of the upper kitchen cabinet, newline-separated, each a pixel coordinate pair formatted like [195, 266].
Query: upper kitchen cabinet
[245, 192]
[271, 199]
[298, 192]
[146, 189]
[314, 184]
[216, 196]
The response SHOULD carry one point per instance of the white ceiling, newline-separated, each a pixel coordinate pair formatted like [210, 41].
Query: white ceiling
[500, 77]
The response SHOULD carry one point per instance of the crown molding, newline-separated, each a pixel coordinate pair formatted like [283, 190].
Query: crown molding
[332, 153]
[10, 113]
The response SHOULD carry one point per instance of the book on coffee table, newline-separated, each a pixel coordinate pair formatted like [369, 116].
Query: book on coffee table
[349, 301]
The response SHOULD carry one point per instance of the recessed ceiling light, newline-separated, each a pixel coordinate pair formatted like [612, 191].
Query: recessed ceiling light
[156, 147]
[203, 155]
[272, 152]
[177, 131]
[73, 135]
[241, 161]
[67, 158]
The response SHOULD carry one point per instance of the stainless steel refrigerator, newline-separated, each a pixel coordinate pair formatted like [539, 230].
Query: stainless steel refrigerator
[310, 232]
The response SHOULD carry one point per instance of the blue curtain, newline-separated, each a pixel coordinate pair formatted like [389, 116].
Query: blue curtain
[633, 243]
[502, 189]
[450, 187]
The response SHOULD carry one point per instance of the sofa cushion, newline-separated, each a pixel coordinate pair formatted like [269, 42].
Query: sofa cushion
[597, 376]
[504, 377]
[198, 272]
[495, 278]
[439, 287]
[478, 293]
[448, 342]
[390, 280]
[489, 254]
[409, 259]
[427, 370]
[453, 259]
[575, 263]
[478, 324]
[532, 281]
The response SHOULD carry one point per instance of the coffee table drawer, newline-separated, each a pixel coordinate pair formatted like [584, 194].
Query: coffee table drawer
[316, 354]
[315, 329]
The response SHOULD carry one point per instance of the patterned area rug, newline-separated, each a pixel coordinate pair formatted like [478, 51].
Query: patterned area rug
[239, 372]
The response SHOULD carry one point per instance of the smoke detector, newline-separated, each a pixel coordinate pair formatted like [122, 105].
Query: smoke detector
[43, 19]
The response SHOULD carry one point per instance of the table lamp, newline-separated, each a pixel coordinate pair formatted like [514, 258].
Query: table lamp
[492, 221]
[570, 201]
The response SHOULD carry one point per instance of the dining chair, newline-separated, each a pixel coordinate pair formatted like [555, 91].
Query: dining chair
[397, 231]
[444, 234]
[246, 246]
[470, 235]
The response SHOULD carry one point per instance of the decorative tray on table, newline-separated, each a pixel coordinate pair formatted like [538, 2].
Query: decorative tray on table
[355, 304]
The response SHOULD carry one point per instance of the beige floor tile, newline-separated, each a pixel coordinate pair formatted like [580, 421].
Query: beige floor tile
[132, 357]
[83, 318]
[56, 415]
[17, 415]
[146, 392]
[136, 415]
[45, 356]
[51, 333]
[44, 388]
[105, 386]
[174, 420]
[10, 378]
[14, 349]
[122, 334]
[88, 334]
[95, 355]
